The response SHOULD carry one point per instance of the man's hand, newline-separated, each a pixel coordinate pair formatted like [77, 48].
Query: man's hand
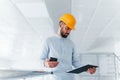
[91, 70]
[50, 64]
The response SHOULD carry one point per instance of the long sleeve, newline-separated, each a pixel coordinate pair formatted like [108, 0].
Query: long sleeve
[75, 59]
[44, 53]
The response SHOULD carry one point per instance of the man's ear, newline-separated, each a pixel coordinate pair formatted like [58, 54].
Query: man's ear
[60, 24]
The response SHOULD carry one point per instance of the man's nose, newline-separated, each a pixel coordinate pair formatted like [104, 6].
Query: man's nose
[68, 31]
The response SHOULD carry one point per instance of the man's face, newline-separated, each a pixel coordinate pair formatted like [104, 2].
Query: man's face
[65, 31]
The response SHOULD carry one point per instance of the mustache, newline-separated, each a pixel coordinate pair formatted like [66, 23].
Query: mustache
[67, 33]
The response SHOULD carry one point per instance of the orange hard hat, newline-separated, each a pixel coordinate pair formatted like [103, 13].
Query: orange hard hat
[69, 20]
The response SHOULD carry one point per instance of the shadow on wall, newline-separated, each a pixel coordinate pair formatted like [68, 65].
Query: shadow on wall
[56, 8]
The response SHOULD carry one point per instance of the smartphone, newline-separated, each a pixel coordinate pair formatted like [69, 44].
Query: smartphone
[53, 59]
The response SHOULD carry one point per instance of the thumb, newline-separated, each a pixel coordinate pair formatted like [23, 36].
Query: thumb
[47, 60]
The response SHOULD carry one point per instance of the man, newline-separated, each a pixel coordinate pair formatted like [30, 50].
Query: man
[60, 47]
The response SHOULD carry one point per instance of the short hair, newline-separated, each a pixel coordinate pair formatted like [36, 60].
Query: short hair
[61, 22]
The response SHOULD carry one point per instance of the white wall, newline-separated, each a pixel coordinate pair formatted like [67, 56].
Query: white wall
[20, 37]
[97, 25]
[98, 33]
[22, 32]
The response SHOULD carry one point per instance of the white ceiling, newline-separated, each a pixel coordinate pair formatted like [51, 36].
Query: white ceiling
[36, 9]
[31, 8]
[96, 19]
[34, 13]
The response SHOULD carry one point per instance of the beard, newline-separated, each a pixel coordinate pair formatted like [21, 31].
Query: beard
[63, 34]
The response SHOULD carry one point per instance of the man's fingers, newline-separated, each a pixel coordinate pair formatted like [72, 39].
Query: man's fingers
[47, 60]
[91, 70]
[52, 64]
